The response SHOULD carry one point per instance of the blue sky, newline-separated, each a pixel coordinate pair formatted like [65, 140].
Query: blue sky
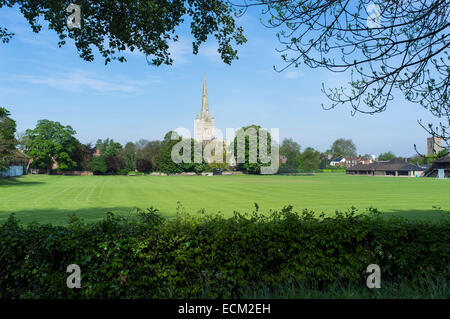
[132, 100]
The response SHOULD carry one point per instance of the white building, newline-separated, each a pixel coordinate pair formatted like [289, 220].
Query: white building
[204, 124]
[204, 133]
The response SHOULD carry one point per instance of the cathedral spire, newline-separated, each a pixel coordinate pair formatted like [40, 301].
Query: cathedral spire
[204, 124]
[204, 114]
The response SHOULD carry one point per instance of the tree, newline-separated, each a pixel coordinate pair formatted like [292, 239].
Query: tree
[82, 156]
[325, 159]
[8, 141]
[141, 144]
[164, 159]
[128, 156]
[144, 165]
[49, 143]
[310, 159]
[98, 165]
[113, 164]
[216, 161]
[110, 151]
[108, 147]
[386, 156]
[389, 46]
[251, 161]
[114, 27]
[442, 153]
[343, 148]
[291, 150]
[147, 154]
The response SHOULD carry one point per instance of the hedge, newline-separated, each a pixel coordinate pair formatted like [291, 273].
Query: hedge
[147, 256]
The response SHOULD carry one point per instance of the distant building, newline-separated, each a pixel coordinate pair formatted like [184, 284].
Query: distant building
[96, 153]
[394, 167]
[339, 161]
[349, 162]
[204, 130]
[16, 165]
[434, 145]
[204, 124]
[440, 168]
[12, 171]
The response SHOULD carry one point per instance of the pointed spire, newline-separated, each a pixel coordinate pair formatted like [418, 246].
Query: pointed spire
[204, 114]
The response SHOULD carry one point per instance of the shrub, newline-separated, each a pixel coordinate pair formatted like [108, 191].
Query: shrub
[147, 256]
[98, 165]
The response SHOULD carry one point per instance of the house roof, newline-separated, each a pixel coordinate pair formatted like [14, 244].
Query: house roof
[361, 167]
[20, 154]
[392, 165]
[338, 159]
[411, 167]
[445, 159]
[17, 157]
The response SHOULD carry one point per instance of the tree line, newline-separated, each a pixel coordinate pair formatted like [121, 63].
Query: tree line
[311, 159]
[52, 146]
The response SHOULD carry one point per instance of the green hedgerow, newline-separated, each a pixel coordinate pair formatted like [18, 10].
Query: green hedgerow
[147, 256]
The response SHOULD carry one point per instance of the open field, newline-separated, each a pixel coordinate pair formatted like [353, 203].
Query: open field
[49, 199]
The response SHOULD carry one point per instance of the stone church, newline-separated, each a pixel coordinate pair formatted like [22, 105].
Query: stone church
[204, 124]
[204, 133]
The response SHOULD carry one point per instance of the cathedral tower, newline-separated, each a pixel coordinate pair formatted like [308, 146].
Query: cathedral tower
[204, 124]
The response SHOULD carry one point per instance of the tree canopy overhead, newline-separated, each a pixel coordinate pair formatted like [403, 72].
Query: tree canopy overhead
[113, 27]
[387, 45]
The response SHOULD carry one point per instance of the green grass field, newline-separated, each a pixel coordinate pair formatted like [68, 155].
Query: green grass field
[50, 199]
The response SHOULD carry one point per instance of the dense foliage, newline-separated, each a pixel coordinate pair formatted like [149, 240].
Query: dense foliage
[150, 27]
[310, 159]
[147, 152]
[291, 151]
[386, 156]
[98, 165]
[187, 149]
[208, 255]
[343, 148]
[247, 149]
[51, 143]
[8, 141]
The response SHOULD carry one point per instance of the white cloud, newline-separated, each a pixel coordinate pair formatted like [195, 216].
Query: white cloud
[77, 80]
[293, 75]
[180, 50]
[209, 50]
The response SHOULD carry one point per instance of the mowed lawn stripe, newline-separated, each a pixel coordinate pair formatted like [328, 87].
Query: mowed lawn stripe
[51, 198]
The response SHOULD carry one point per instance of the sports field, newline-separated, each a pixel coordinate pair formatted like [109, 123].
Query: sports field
[49, 199]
